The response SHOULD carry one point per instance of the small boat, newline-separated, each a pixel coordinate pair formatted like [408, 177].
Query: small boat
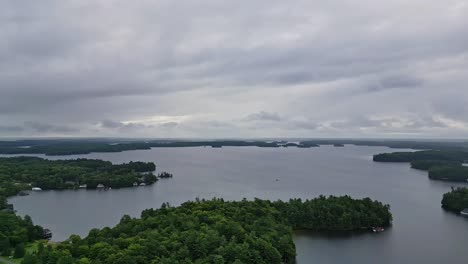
[464, 212]
[377, 229]
[36, 189]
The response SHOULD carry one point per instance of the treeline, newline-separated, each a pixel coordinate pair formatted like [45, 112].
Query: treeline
[454, 173]
[456, 200]
[440, 164]
[61, 147]
[86, 146]
[405, 144]
[426, 165]
[22, 173]
[334, 213]
[433, 155]
[215, 231]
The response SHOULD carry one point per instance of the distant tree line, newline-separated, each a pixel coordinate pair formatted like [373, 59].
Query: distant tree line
[441, 164]
[69, 147]
[432, 155]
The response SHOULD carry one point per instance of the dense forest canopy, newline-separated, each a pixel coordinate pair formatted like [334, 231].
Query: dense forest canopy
[15, 231]
[447, 173]
[22, 173]
[217, 231]
[456, 200]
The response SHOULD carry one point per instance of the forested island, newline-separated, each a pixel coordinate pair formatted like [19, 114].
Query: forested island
[86, 146]
[22, 173]
[444, 165]
[456, 200]
[215, 231]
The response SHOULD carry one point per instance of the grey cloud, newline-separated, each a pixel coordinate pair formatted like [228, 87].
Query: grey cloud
[74, 64]
[11, 129]
[110, 124]
[169, 124]
[263, 116]
[395, 82]
[388, 123]
[46, 128]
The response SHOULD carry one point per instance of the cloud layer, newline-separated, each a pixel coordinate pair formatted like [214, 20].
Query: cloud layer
[230, 69]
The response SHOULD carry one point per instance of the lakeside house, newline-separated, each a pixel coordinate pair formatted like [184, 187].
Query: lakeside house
[464, 212]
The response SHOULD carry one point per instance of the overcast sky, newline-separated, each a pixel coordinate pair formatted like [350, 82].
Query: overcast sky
[211, 68]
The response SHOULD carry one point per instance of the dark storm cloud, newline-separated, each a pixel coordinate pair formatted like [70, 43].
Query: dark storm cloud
[152, 66]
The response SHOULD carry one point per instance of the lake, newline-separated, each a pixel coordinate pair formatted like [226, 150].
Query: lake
[421, 233]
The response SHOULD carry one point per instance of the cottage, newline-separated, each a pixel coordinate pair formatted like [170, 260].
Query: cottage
[464, 212]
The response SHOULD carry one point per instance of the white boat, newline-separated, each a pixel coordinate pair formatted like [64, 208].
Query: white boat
[36, 189]
[464, 212]
[377, 229]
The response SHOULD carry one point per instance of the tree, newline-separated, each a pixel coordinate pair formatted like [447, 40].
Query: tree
[4, 243]
[19, 251]
[29, 259]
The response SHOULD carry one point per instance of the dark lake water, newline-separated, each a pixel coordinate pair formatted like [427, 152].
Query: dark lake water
[422, 232]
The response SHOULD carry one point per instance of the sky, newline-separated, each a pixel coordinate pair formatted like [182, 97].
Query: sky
[234, 69]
